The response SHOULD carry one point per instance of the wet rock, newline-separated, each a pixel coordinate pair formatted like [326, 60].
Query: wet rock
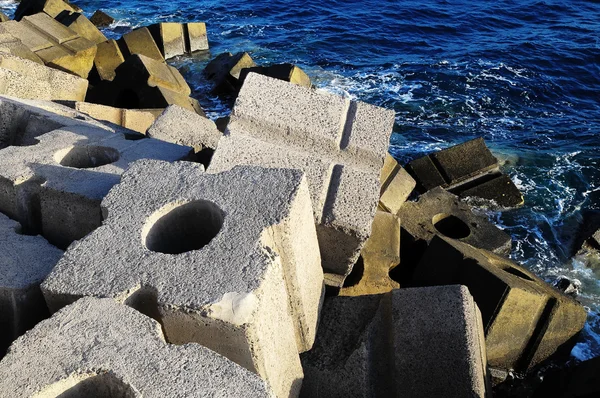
[101, 19]
[567, 286]
[525, 319]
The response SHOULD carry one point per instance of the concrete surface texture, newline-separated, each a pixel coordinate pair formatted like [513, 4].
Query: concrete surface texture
[27, 79]
[174, 38]
[183, 127]
[50, 7]
[424, 342]
[396, 185]
[227, 260]
[97, 347]
[526, 320]
[339, 144]
[370, 275]
[25, 261]
[53, 177]
[58, 46]
[440, 212]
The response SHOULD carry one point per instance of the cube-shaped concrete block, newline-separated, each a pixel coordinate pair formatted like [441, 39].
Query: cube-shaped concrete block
[26, 79]
[101, 19]
[526, 320]
[140, 41]
[133, 119]
[58, 46]
[24, 263]
[82, 26]
[396, 185]
[97, 347]
[339, 144]
[425, 342]
[227, 260]
[438, 212]
[286, 72]
[175, 39]
[183, 127]
[196, 37]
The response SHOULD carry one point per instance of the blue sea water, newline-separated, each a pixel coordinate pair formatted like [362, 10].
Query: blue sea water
[523, 74]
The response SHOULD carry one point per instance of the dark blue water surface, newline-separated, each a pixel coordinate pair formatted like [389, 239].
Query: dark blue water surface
[523, 74]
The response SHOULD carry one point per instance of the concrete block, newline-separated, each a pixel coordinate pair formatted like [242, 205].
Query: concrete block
[229, 261]
[339, 144]
[97, 347]
[424, 342]
[183, 127]
[140, 41]
[177, 39]
[224, 71]
[396, 185]
[50, 7]
[107, 60]
[10, 45]
[138, 120]
[58, 46]
[82, 26]
[4, 17]
[53, 177]
[468, 170]
[26, 79]
[101, 19]
[525, 319]
[24, 263]
[196, 36]
[381, 253]
[144, 83]
[441, 213]
[286, 72]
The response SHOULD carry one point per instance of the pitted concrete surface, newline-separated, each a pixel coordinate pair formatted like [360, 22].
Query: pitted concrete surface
[24, 263]
[53, 182]
[252, 293]
[339, 144]
[97, 347]
[184, 127]
[425, 342]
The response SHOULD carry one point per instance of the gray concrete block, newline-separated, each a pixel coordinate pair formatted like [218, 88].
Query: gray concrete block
[24, 263]
[339, 144]
[183, 127]
[97, 347]
[440, 212]
[228, 260]
[425, 342]
[53, 177]
[27, 79]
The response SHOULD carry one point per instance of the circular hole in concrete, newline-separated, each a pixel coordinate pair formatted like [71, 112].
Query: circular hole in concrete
[451, 226]
[86, 157]
[185, 228]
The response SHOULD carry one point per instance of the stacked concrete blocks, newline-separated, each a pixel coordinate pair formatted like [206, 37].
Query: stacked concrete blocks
[51, 7]
[58, 46]
[53, 176]
[425, 342]
[78, 23]
[97, 347]
[26, 79]
[10, 45]
[24, 263]
[140, 41]
[138, 120]
[525, 319]
[339, 144]
[229, 260]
